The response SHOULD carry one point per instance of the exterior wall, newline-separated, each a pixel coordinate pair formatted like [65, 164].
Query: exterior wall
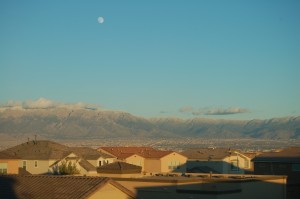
[277, 168]
[136, 160]
[152, 165]
[42, 166]
[242, 164]
[109, 191]
[225, 165]
[173, 162]
[216, 165]
[12, 166]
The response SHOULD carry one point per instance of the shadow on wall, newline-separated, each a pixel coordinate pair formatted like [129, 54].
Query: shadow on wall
[215, 167]
[217, 190]
[7, 188]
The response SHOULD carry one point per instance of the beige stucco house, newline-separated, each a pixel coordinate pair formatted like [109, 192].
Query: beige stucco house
[216, 160]
[151, 160]
[40, 157]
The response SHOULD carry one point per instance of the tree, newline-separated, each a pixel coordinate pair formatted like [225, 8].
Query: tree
[67, 168]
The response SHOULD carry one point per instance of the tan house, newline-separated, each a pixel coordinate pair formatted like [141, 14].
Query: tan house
[151, 160]
[40, 157]
[216, 160]
[8, 164]
[131, 155]
[61, 187]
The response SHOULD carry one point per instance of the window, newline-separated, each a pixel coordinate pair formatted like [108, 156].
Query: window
[234, 165]
[35, 163]
[24, 164]
[100, 163]
[3, 168]
[295, 167]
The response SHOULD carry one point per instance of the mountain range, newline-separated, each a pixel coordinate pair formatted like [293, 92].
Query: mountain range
[65, 123]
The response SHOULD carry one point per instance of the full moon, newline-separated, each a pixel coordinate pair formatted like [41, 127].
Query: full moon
[100, 19]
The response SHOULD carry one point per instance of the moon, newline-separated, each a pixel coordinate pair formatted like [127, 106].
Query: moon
[100, 20]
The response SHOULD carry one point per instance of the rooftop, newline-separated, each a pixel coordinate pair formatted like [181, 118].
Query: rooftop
[208, 153]
[46, 150]
[291, 154]
[146, 152]
[59, 187]
[119, 168]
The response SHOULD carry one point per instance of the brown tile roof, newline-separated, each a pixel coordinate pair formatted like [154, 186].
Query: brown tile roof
[119, 168]
[4, 155]
[125, 152]
[47, 150]
[89, 153]
[39, 150]
[291, 154]
[86, 165]
[207, 153]
[59, 187]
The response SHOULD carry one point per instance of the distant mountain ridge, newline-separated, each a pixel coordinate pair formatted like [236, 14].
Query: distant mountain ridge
[64, 123]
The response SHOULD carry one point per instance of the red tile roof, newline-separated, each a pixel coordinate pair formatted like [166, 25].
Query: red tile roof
[125, 152]
[59, 187]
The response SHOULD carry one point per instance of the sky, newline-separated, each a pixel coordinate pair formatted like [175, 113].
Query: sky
[230, 59]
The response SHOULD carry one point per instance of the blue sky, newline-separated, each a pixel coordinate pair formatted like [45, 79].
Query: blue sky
[216, 59]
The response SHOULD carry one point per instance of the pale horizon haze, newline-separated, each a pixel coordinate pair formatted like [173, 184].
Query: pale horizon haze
[230, 59]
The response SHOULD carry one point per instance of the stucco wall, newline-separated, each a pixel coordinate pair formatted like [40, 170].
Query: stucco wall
[173, 162]
[109, 191]
[136, 160]
[42, 166]
[12, 166]
[152, 165]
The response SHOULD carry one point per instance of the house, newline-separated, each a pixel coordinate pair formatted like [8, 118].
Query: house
[151, 160]
[120, 169]
[216, 160]
[164, 162]
[282, 162]
[129, 155]
[94, 157]
[8, 164]
[42, 157]
[72, 161]
[61, 187]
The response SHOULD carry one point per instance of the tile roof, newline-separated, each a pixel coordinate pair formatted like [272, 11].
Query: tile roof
[125, 152]
[208, 153]
[39, 150]
[291, 154]
[86, 165]
[89, 153]
[4, 155]
[119, 168]
[49, 150]
[59, 187]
